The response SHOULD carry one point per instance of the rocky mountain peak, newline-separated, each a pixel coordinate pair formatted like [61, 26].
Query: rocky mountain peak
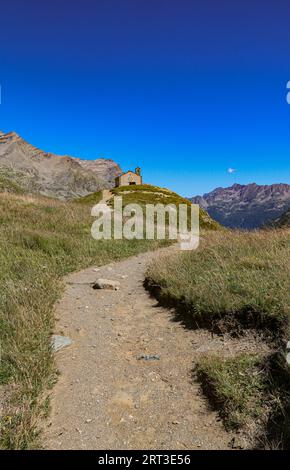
[246, 206]
[53, 175]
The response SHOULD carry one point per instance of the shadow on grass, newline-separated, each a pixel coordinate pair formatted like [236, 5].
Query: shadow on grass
[275, 433]
[271, 328]
[278, 426]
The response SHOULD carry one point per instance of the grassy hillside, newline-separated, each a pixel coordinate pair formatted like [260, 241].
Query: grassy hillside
[9, 182]
[237, 281]
[41, 239]
[147, 194]
[283, 221]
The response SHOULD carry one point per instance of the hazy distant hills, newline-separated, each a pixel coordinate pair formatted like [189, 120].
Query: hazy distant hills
[25, 167]
[246, 206]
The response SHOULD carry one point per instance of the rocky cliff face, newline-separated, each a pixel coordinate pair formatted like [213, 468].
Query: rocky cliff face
[246, 206]
[52, 175]
[104, 168]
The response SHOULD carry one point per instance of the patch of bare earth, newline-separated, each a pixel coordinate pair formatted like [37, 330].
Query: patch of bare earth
[107, 397]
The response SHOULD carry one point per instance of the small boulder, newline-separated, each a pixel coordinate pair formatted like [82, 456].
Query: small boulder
[149, 357]
[106, 284]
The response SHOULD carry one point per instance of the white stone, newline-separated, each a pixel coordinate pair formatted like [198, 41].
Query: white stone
[106, 284]
[58, 342]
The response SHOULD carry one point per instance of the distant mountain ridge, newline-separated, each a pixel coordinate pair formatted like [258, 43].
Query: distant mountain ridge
[64, 177]
[246, 206]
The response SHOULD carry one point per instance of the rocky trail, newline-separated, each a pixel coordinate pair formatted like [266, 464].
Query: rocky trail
[126, 381]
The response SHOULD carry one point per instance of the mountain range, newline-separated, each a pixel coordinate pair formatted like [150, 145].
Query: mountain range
[25, 167]
[246, 206]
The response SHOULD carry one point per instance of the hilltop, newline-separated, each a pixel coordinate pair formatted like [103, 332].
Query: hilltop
[148, 194]
[246, 206]
[25, 168]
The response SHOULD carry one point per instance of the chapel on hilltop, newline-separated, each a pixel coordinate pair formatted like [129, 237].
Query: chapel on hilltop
[128, 178]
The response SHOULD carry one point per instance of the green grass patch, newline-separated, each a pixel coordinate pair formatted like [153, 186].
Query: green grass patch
[252, 395]
[233, 276]
[148, 194]
[235, 386]
[92, 199]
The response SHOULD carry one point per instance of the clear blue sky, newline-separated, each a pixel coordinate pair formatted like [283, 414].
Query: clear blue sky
[185, 89]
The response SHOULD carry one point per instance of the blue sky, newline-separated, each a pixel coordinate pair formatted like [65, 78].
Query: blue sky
[185, 89]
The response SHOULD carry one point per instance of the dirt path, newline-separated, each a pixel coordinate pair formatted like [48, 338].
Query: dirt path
[107, 398]
[106, 196]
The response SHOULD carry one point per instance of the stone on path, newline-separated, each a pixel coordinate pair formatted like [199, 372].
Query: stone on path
[106, 284]
[58, 342]
[149, 357]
